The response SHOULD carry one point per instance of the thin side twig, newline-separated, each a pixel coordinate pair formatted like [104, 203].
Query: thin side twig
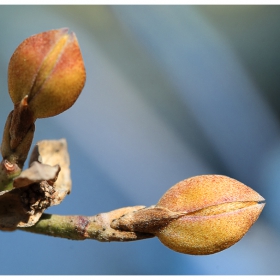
[78, 227]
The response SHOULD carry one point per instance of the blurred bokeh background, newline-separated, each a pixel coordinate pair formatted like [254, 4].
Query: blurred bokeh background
[171, 92]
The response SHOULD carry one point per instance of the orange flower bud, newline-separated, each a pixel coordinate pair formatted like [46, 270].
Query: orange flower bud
[218, 212]
[201, 215]
[49, 69]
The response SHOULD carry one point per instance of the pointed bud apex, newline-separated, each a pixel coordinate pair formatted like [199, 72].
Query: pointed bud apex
[49, 69]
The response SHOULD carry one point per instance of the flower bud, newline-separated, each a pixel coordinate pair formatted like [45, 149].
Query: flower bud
[49, 69]
[218, 212]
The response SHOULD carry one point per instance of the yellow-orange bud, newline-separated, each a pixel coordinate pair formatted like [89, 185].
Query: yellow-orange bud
[49, 69]
[201, 215]
[218, 212]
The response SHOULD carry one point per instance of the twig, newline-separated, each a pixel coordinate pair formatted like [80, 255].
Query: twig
[82, 227]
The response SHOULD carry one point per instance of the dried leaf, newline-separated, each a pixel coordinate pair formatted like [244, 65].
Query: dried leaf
[54, 152]
[23, 207]
[45, 183]
[37, 173]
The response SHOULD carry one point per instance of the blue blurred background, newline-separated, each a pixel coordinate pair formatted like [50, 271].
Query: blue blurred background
[171, 92]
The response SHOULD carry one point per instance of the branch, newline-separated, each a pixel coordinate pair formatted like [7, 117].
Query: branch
[200, 215]
[82, 227]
